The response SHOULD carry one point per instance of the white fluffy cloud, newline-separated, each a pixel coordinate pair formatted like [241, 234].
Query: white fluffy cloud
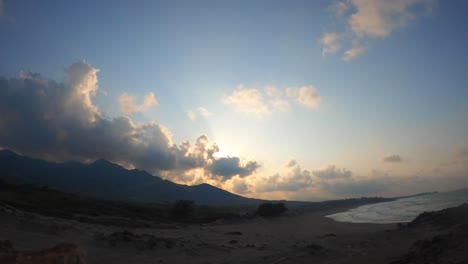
[128, 105]
[262, 102]
[355, 51]
[247, 100]
[330, 42]
[378, 18]
[306, 96]
[59, 121]
[373, 19]
[276, 98]
[193, 114]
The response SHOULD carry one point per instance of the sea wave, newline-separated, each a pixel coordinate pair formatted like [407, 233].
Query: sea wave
[402, 210]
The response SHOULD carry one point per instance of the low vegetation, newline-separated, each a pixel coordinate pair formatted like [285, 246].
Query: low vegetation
[49, 202]
[182, 209]
[271, 209]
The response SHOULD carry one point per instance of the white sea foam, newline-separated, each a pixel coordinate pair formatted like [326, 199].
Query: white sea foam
[402, 210]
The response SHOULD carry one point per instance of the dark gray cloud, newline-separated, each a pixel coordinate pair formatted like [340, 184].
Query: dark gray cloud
[58, 121]
[392, 159]
[332, 172]
[240, 186]
[225, 168]
[291, 163]
[338, 181]
[358, 187]
[294, 180]
[342, 182]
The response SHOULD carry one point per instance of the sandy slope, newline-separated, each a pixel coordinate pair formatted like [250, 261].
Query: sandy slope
[294, 239]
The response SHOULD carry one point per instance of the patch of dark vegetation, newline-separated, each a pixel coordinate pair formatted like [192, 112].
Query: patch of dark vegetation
[449, 245]
[271, 209]
[139, 241]
[233, 233]
[182, 209]
[442, 249]
[315, 249]
[49, 202]
[444, 218]
[6, 248]
[329, 235]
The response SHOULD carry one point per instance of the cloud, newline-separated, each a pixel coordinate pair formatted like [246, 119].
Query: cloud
[332, 172]
[226, 167]
[373, 19]
[195, 113]
[247, 100]
[58, 121]
[340, 8]
[276, 98]
[305, 96]
[359, 187]
[240, 186]
[378, 18]
[355, 51]
[293, 180]
[392, 159]
[127, 103]
[291, 163]
[334, 182]
[341, 182]
[329, 181]
[262, 102]
[330, 43]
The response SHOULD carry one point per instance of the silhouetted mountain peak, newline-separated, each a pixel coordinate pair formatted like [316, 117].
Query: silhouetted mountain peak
[103, 162]
[105, 179]
[144, 173]
[7, 153]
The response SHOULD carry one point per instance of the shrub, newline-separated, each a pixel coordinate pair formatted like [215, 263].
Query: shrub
[271, 209]
[182, 209]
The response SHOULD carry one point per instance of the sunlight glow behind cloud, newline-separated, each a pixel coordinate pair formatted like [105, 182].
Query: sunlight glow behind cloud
[59, 121]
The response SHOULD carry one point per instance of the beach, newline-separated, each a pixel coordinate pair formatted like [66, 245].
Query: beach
[303, 238]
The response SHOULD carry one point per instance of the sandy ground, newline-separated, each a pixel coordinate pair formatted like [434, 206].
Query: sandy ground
[307, 238]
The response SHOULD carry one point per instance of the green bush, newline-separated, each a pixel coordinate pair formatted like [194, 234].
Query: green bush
[182, 209]
[271, 209]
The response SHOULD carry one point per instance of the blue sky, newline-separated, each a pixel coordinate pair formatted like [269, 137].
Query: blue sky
[364, 96]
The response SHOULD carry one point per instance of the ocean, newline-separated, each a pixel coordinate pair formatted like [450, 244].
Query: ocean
[402, 210]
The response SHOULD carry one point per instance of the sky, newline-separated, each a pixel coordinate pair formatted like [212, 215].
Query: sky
[300, 100]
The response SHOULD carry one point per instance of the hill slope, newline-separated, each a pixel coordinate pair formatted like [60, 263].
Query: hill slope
[108, 180]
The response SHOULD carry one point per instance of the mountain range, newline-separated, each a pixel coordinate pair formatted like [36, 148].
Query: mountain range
[104, 179]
